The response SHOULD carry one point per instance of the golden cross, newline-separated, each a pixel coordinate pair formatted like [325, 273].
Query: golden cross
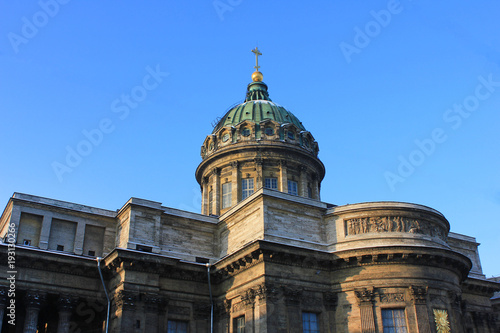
[257, 54]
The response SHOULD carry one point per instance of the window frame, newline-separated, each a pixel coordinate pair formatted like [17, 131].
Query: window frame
[296, 187]
[237, 321]
[395, 320]
[271, 179]
[177, 329]
[226, 195]
[247, 187]
[306, 322]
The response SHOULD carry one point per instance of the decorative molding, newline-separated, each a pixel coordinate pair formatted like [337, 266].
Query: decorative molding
[153, 302]
[35, 299]
[180, 310]
[201, 309]
[293, 296]
[66, 302]
[441, 320]
[248, 297]
[267, 291]
[330, 300]
[392, 297]
[379, 224]
[419, 294]
[126, 300]
[365, 296]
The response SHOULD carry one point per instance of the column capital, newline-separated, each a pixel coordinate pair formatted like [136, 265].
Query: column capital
[266, 291]
[125, 299]
[234, 164]
[66, 302]
[365, 296]
[35, 299]
[216, 171]
[153, 302]
[248, 297]
[3, 296]
[292, 295]
[419, 294]
[330, 300]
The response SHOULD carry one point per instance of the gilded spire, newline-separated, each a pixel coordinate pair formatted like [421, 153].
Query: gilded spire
[257, 76]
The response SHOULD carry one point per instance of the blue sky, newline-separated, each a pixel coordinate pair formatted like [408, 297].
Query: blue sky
[403, 98]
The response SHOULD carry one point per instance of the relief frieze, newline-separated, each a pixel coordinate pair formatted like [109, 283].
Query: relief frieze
[380, 224]
[392, 297]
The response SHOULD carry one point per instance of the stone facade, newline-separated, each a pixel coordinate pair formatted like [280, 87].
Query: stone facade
[265, 255]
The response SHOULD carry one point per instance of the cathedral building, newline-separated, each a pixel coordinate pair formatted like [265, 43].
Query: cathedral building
[265, 254]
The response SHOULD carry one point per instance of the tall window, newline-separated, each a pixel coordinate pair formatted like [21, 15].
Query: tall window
[271, 183]
[292, 188]
[310, 322]
[394, 321]
[246, 188]
[239, 324]
[177, 326]
[226, 195]
[210, 201]
[309, 192]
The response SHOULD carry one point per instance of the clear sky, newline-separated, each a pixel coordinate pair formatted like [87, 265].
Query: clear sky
[101, 101]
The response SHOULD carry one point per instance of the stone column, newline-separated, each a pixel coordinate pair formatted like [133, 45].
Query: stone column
[265, 307]
[419, 300]
[223, 316]
[65, 304]
[259, 179]
[204, 195]
[248, 299]
[303, 181]
[3, 304]
[235, 183]
[315, 187]
[283, 181]
[293, 313]
[34, 301]
[45, 232]
[153, 305]
[79, 237]
[365, 301]
[125, 307]
[201, 312]
[330, 303]
[216, 200]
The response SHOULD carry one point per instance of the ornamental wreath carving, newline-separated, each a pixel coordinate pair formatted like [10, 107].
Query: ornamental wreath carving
[379, 224]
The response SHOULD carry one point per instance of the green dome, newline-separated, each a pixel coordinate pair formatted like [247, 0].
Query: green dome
[258, 107]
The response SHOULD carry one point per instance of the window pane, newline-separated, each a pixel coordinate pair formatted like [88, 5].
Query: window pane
[226, 195]
[176, 326]
[394, 321]
[239, 324]
[292, 187]
[246, 187]
[271, 183]
[310, 322]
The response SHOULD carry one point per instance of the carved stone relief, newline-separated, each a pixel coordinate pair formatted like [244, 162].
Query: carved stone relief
[379, 224]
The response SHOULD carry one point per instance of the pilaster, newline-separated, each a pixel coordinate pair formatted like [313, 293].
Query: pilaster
[217, 189]
[283, 181]
[235, 183]
[34, 301]
[365, 301]
[419, 300]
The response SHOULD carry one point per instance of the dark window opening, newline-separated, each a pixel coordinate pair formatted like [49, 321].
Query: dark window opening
[144, 248]
[60, 247]
[202, 260]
